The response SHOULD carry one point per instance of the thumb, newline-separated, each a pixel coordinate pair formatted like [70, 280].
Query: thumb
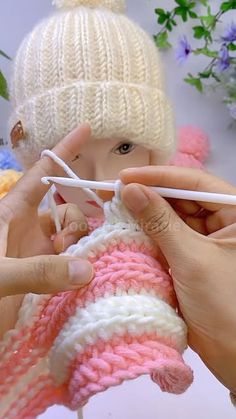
[158, 220]
[43, 275]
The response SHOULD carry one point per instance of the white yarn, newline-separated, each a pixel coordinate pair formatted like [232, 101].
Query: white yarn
[119, 226]
[138, 314]
[71, 174]
[114, 5]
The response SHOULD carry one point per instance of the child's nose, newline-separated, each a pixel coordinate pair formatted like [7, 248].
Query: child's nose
[99, 173]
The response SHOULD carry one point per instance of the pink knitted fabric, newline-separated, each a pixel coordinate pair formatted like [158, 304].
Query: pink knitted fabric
[193, 147]
[67, 347]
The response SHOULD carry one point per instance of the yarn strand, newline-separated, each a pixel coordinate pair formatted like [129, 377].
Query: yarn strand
[71, 174]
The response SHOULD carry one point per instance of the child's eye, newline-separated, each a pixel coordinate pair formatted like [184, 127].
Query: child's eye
[124, 148]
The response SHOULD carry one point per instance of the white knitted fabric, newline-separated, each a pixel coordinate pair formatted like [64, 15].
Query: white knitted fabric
[88, 62]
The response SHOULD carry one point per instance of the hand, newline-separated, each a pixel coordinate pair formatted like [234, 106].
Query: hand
[73, 227]
[25, 237]
[203, 265]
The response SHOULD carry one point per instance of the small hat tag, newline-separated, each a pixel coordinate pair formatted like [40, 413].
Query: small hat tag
[17, 134]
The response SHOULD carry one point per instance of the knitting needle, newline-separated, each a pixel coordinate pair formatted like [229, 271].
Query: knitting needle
[215, 198]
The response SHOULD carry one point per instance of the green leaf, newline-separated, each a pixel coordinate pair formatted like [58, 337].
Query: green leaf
[192, 14]
[194, 81]
[228, 5]
[205, 74]
[162, 19]
[4, 55]
[161, 40]
[3, 87]
[169, 26]
[191, 5]
[209, 20]
[179, 11]
[214, 75]
[204, 2]
[206, 52]
[160, 12]
[232, 47]
[199, 32]
[185, 16]
[185, 4]
[183, 12]
[182, 3]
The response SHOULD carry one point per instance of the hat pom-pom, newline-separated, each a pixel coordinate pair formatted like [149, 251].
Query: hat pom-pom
[117, 6]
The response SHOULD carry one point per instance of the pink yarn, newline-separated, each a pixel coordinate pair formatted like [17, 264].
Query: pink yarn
[122, 268]
[193, 147]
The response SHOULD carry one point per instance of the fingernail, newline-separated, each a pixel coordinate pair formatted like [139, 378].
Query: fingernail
[80, 272]
[135, 199]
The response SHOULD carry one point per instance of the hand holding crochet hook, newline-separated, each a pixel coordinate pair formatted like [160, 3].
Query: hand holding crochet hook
[199, 243]
[198, 240]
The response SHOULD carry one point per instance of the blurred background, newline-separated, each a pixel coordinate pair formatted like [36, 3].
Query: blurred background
[142, 399]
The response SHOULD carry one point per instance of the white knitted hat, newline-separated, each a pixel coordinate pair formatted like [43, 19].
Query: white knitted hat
[89, 63]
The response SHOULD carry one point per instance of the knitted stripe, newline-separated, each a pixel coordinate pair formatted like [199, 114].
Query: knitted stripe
[113, 237]
[24, 388]
[15, 372]
[137, 314]
[101, 366]
[113, 275]
[17, 351]
[18, 363]
[110, 363]
[15, 339]
[34, 399]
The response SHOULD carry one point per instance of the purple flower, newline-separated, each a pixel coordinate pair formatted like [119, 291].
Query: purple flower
[224, 60]
[184, 49]
[230, 33]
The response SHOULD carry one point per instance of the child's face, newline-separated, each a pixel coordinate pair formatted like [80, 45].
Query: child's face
[102, 160]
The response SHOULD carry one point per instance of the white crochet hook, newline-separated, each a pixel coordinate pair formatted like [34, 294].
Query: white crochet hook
[215, 198]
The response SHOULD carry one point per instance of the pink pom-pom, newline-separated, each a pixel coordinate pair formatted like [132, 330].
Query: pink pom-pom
[194, 141]
[193, 147]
